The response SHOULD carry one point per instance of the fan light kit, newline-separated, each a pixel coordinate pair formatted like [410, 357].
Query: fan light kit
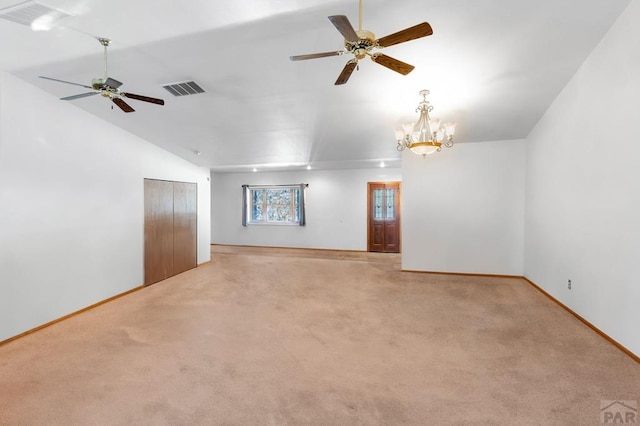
[426, 135]
[107, 87]
[361, 44]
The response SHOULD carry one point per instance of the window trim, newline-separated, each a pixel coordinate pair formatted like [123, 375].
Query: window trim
[246, 204]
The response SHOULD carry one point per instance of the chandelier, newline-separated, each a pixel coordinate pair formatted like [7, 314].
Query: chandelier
[426, 136]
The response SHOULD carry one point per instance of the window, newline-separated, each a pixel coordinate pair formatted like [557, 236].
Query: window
[273, 204]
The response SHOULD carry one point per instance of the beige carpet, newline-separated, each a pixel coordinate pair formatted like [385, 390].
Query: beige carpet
[262, 336]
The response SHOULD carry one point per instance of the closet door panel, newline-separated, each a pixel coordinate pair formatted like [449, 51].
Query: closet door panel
[184, 226]
[158, 230]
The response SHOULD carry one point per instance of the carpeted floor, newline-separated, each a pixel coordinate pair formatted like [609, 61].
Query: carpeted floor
[274, 336]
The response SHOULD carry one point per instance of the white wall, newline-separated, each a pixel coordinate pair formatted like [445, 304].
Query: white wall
[463, 209]
[72, 207]
[583, 188]
[336, 209]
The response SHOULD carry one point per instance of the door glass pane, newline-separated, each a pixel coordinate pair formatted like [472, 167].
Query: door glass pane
[377, 203]
[391, 204]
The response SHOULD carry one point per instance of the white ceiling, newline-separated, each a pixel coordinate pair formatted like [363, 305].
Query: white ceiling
[493, 66]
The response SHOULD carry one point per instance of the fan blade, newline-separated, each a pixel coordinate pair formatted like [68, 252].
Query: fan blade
[391, 63]
[81, 95]
[412, 33]
[143, 98]
[122, 104]
[343, 25]
[316, 55]
[346, 72]
[68, 82]
[113, 83]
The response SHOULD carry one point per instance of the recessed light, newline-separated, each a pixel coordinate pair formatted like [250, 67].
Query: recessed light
[309, 167]
[382, 164]
[255, 170]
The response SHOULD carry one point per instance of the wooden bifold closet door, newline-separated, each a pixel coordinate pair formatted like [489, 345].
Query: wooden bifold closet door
[170, 229]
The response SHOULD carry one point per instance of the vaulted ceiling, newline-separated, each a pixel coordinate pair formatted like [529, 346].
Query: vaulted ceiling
[493, 66]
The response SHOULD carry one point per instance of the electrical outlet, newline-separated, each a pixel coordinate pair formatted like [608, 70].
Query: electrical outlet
[569, 284]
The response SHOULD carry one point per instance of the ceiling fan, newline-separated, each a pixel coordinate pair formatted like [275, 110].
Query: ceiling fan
[361, 43]
[107, 87]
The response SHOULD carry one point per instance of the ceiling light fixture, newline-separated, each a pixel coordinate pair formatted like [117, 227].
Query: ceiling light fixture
[426, 135]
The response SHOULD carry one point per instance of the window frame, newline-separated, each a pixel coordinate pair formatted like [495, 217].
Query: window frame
[297, 204]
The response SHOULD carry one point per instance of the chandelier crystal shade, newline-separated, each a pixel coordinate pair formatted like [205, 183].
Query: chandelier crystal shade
[427, 135]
